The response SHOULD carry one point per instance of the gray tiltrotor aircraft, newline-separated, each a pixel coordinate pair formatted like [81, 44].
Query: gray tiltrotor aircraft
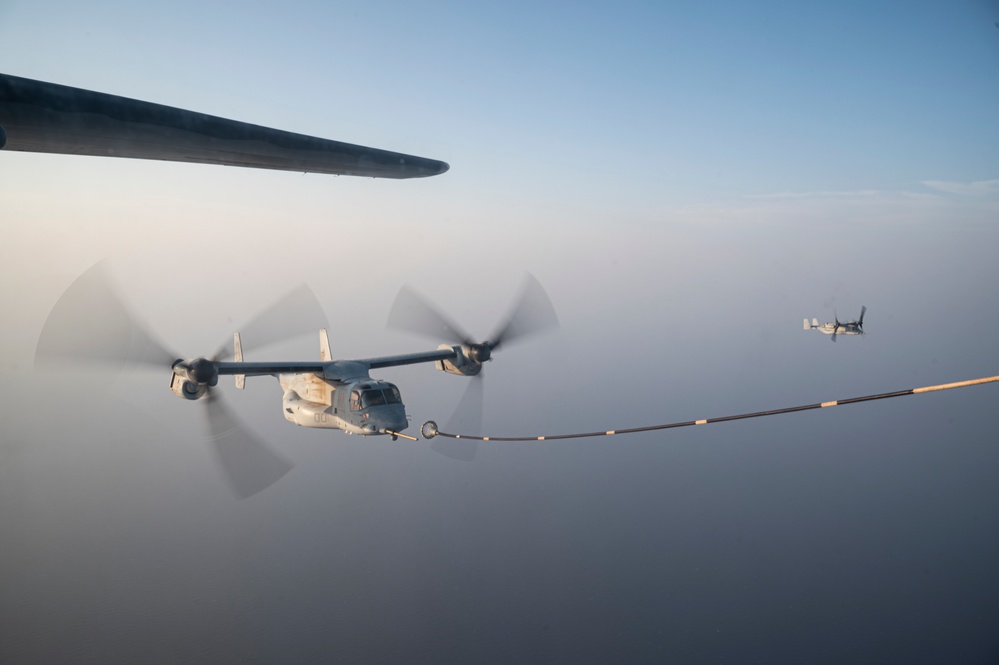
[90, 324]
[838, 327]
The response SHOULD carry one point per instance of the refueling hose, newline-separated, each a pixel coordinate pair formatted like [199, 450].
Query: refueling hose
[429, 429]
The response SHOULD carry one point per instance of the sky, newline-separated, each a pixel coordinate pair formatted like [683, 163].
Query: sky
[687, 180]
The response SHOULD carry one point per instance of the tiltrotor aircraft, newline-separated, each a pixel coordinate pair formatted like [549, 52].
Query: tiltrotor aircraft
[90, 324]
[838, 327]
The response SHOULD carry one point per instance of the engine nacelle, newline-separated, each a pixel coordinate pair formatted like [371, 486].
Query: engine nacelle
[198, 370]
[191, 378]
[187, 389]
[462, 364]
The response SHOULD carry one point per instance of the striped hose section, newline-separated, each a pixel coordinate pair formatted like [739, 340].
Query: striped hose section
[741, 416]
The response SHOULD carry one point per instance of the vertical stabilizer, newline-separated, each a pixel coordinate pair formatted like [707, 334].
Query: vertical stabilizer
[237, 349]
[815, 323]
[324, 346]
[807, 327]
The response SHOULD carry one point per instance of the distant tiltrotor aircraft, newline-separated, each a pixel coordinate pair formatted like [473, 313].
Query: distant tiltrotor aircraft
[838, 327]
[44, 117]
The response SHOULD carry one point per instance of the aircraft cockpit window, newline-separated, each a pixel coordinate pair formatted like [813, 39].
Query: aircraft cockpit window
[372, 397]
[355, 400]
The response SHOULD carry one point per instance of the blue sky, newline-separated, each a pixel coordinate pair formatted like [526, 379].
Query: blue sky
[694, 97]
[688, 181]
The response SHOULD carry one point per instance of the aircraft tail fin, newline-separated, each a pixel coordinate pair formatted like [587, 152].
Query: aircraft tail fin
[807, 327]
[325, 354]
[238, 357]
[815, 323]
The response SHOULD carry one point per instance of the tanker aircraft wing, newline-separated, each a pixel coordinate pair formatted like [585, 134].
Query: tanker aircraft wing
[45, 117]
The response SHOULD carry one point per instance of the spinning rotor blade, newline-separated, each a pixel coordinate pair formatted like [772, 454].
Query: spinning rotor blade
[90, 324]
[248, 464]
[468, 415]
[414, 313]
[296, 313]
[463, 450]
[863, 310]
[532, 313]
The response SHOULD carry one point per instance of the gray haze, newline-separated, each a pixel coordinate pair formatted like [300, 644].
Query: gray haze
[863, 532]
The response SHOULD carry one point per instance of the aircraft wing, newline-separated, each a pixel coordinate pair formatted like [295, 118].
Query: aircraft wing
[45, 117]
[336, 369]
[410, 358]
[265, 368]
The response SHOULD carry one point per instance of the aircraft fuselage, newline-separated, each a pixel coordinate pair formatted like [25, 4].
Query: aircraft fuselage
[843, 329]
[364, 406]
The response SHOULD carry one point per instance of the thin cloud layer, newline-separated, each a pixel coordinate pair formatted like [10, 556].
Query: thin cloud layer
[952, 202]
[978, 188]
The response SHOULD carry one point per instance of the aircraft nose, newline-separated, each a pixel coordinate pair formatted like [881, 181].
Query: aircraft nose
[389, 417]
[396, 424]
